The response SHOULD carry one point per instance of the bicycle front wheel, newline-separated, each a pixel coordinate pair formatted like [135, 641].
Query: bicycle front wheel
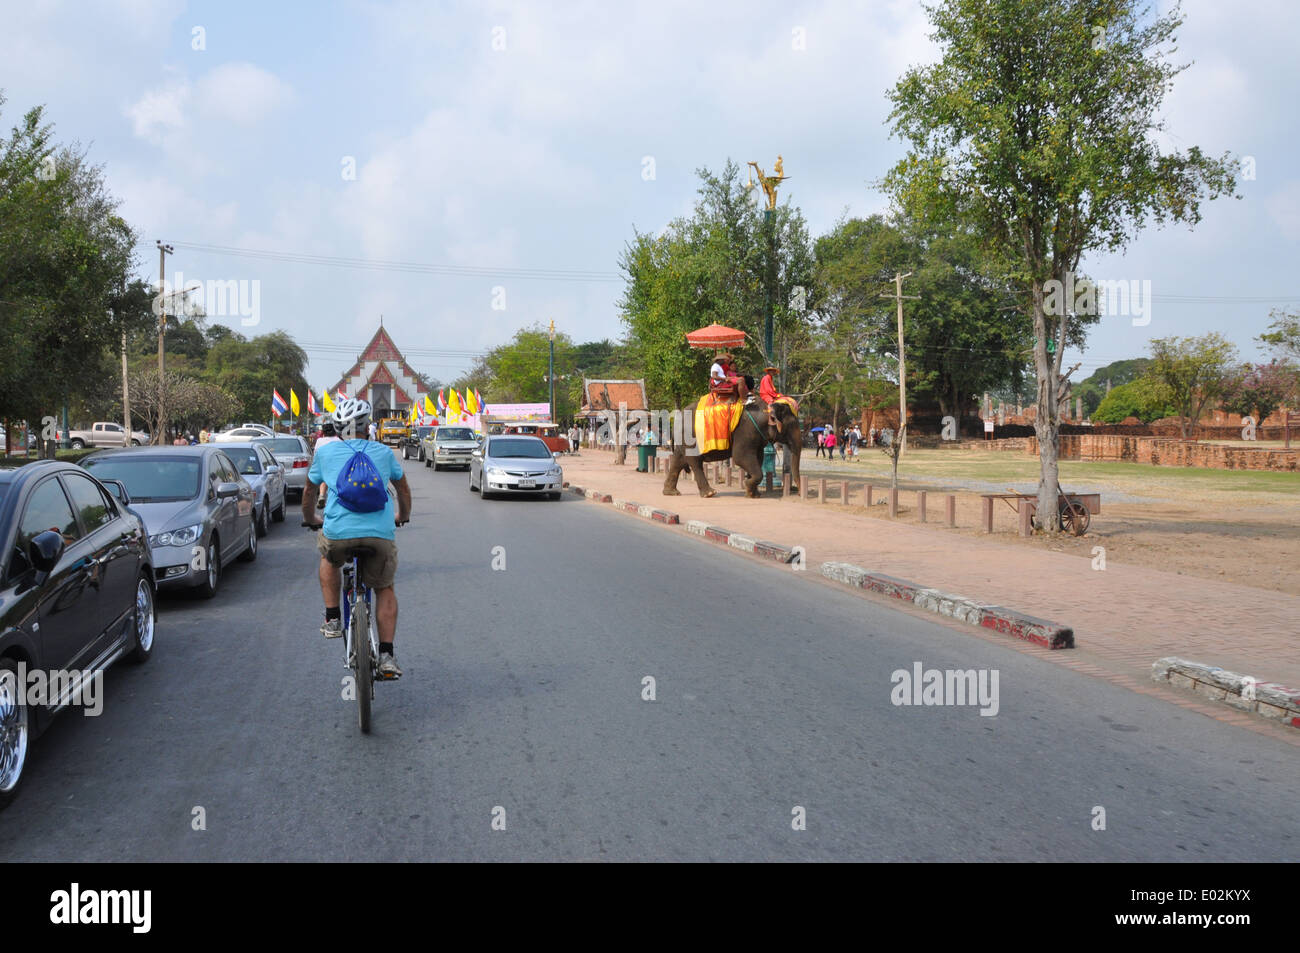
[360, 636]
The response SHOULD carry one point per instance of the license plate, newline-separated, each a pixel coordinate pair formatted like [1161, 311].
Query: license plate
[527, 484]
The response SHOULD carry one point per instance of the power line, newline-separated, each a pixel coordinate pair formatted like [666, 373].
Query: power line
[410, 267]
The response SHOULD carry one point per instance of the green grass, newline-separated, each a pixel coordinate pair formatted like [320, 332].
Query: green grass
[71, 456]
[1007, 467]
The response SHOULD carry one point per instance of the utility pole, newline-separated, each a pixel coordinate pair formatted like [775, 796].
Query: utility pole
[902, 363]
[126, 394]
[160, 436]
[550, 370]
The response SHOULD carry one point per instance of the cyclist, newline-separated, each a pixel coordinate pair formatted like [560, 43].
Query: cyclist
[327, 436]
[344, 527]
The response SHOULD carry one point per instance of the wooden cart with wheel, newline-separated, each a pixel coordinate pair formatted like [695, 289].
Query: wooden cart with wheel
[1076, 509]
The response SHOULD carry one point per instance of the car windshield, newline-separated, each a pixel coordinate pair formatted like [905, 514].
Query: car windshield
[423, 431]
[532, 449]
[150, 479]
[282, 444]
[455, 433]
[245, 459]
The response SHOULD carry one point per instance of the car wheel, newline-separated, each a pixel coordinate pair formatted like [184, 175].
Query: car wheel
[250, 552]
[144, 620]
[552, 496]
[208, 588]
[15, 732]
[135, 443]
[405, 455]
[78, 445]
[263, 518]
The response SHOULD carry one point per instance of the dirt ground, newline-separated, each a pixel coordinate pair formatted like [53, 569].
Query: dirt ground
[1236, 526]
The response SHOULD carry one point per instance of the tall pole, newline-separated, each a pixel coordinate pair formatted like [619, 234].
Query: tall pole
[769, 220]
[902, 360]
[160, 437]
[126, 394]
[550, 372]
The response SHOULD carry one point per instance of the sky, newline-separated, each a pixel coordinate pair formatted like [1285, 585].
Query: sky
[467, 169]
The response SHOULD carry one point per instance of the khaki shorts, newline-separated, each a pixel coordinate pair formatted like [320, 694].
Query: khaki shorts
[377, 571]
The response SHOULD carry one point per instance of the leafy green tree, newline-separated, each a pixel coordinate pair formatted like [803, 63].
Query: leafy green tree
[713, 267]
[1092, 389]
[1038, 125]
[1284, 335]
[516, 373]
[1134, 399]
[65, 254]
[1188, 373]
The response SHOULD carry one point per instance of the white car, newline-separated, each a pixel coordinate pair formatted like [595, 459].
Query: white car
[515, 464]
[246, 432]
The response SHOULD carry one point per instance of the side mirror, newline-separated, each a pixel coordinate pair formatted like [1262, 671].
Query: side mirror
[226, 490]
[476, 453]
[555, 454]
[45, 549]
[118, 489]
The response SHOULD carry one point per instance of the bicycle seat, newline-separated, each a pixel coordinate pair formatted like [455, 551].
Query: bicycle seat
[354, 551]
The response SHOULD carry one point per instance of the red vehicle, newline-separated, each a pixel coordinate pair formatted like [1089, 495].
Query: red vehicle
[555, 441]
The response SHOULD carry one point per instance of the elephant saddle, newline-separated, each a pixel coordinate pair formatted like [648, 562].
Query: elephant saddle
[715, 419]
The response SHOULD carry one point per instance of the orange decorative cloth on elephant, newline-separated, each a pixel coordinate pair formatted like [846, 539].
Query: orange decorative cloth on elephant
[715, 419]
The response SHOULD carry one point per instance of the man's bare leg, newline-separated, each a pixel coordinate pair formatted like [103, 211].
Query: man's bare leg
[386, 613]
[331, 579]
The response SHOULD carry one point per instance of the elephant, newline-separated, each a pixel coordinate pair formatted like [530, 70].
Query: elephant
[750, 436]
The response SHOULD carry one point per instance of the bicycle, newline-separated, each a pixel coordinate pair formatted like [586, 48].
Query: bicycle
[357, 604]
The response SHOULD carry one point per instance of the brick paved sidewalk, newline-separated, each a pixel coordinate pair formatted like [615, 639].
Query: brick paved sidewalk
[1124, 618]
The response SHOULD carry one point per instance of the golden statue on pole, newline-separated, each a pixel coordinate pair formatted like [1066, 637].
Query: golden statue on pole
[769, 182]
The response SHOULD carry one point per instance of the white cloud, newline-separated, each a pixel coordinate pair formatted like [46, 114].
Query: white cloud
[242, 93]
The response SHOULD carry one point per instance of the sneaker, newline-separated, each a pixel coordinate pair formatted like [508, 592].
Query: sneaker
[388, 666]
[332, 629]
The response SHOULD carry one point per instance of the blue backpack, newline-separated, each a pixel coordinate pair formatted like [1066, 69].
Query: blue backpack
[361, 487]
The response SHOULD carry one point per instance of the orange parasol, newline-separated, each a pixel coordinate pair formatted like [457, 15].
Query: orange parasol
[715, 336]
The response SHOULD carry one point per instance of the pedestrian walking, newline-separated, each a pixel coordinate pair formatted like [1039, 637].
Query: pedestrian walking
[821, 443]
[830, 443]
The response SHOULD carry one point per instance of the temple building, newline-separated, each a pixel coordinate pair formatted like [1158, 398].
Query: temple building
[382, 376]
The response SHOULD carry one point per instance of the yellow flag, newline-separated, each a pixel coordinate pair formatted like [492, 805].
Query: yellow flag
[429, 409]
[325, 400]
[453, 405]
[415, 413]
[471, 404]
[293, 403]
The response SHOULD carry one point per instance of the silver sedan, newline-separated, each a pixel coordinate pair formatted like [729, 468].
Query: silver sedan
[510, 463]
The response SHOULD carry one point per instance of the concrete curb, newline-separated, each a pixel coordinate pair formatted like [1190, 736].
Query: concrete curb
[1051, 635]
[1243, 692]
[746, 544]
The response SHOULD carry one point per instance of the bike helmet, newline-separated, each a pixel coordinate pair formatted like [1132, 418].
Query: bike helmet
[351, 416]
[327, 427]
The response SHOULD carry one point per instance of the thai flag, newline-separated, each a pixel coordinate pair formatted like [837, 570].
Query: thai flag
[311, 404]
[278, 406]
[442, 403]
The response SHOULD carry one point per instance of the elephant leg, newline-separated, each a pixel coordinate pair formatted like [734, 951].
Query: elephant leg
[752, 464]
[793, 450]
[675, 464]
[701, 481]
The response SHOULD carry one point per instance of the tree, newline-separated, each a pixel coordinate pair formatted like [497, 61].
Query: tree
[64, 255]
[712, 266]
[1284, 336]
[1038, 126]
[1259, 389]
[1092, 390]
[1134, 399]
[1188, 373]
[516, 372]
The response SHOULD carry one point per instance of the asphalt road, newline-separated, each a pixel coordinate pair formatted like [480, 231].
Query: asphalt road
[523, 693]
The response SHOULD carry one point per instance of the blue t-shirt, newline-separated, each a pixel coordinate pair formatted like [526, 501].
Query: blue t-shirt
[340, 522]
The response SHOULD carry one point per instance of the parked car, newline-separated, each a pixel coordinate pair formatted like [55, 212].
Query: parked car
[105, 433]
[452, 447]
[197, 509]
[294, 455]
[548, 432]
[246, 432]
[76, 594]
[256, 464]
[510, 463]
[413, 442]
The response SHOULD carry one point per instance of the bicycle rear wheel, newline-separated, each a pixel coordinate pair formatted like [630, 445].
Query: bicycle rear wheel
[360, 636]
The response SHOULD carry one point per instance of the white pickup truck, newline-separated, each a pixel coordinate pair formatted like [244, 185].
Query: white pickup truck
[105, 433]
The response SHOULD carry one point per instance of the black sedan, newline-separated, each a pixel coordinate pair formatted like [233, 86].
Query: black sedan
[76, 594]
